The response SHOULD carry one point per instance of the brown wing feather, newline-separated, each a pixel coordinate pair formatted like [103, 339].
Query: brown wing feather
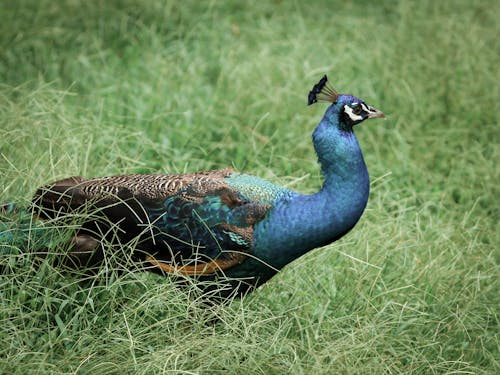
[76, 191]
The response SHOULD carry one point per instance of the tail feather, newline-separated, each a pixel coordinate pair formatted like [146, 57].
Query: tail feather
[8, 208]
[19, 230]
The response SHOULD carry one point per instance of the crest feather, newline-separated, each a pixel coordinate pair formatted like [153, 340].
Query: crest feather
[321, 91]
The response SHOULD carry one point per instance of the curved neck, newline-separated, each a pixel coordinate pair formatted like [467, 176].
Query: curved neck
[342, 164]
[300, 223]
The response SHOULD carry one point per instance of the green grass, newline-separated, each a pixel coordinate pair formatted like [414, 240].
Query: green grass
[106, 87]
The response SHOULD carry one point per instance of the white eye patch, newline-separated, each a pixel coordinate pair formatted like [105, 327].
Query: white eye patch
[351, 114]
[365, 107]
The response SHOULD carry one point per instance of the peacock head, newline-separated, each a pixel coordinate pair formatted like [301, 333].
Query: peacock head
[347, 109]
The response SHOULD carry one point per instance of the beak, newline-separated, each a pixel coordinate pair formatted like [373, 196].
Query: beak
[374, 113]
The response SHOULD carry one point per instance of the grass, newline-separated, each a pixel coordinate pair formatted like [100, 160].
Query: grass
[106, 87]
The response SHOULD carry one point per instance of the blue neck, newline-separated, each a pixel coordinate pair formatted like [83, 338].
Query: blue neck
[300, 223]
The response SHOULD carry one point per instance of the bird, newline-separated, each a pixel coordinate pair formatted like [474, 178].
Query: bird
[223, 224]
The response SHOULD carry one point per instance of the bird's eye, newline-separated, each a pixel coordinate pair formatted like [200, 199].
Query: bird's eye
[356, 109]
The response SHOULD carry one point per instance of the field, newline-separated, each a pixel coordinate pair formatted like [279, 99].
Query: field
[96, 88]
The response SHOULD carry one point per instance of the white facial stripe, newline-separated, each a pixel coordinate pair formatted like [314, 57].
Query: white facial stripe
[351, 114]
[366, 108]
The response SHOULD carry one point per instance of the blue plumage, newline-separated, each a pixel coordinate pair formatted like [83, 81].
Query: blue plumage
[224, 222]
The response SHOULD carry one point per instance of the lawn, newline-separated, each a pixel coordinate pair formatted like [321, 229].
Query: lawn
[95, 88]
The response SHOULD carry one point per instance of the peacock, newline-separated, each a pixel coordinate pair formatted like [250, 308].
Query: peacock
[221, 223]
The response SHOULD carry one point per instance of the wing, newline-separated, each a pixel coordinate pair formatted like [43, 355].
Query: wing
[77, 192]
[191, 223]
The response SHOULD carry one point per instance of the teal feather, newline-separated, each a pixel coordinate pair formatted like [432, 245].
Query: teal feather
[19, 231]
[256, 189]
